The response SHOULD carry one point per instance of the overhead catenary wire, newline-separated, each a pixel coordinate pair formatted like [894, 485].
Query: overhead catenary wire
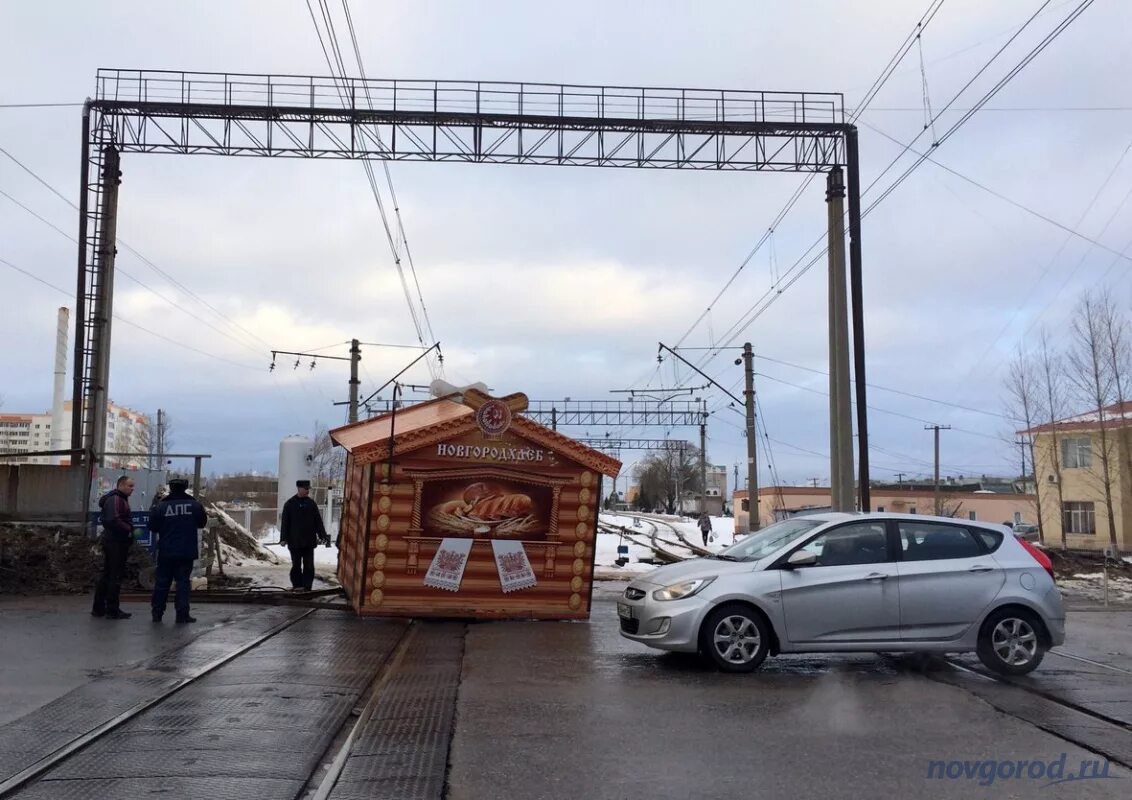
[902, 51]
[771, 295]
[912, 395]
[148, 262]
[870, 95]
[1035, 283]
[129, 322]
[125, 274]
[142, 258]
[887, 410]
[389, 178]
[397, 240]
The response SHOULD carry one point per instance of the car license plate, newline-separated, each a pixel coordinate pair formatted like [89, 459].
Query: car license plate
[624, 611]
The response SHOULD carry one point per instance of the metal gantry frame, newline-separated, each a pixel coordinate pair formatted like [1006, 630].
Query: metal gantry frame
[615, 413]
[617, 444]
[138, 111]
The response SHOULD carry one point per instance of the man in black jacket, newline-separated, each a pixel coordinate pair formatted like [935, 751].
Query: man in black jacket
[175, 522]
[117, 537]
[301, 529]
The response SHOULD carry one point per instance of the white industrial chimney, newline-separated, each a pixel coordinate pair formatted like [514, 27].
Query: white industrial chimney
[57, 433]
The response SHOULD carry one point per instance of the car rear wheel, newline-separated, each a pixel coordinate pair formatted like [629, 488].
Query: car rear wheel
[734, 638]
[1010, 642]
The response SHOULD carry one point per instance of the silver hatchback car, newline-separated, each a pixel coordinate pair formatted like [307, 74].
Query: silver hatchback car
[855, 582]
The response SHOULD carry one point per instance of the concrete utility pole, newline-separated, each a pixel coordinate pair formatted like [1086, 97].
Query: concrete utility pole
[355, 357]
[703, 461]
[840, 419]
[937, 429]
[752, 440]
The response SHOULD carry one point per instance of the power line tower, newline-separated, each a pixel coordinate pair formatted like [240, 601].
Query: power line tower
[354, 357]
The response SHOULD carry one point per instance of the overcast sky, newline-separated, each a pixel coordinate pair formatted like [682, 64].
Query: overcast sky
[560, 282]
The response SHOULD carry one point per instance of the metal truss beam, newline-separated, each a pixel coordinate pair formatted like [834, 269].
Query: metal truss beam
[615, 413]
[611, 443]
[598, 414]
[504, 123]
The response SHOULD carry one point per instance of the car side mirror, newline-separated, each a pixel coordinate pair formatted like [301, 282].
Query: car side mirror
[801, 558]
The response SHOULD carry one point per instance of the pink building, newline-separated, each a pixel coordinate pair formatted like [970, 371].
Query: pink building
[776, 502]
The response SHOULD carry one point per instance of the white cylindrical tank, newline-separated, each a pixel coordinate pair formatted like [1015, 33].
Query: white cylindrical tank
[296, 454]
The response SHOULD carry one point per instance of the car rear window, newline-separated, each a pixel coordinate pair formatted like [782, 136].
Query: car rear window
[991, 539]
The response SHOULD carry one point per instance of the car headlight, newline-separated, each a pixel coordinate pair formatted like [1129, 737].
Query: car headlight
[678, 591]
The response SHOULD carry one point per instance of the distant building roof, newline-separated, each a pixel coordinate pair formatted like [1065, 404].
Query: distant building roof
[1117, 414]
[905, 491]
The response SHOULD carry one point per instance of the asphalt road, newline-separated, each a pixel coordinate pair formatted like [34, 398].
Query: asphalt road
[573, 710]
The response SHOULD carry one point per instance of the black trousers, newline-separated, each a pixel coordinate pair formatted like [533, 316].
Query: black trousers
[115, 551]
[302, 567]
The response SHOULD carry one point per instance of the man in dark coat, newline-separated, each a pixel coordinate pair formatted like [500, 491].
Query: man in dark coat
[117, 537]
[301, 529]
[175, 522]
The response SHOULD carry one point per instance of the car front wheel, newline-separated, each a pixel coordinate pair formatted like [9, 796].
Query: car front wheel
[734, 638]
[1010, 642]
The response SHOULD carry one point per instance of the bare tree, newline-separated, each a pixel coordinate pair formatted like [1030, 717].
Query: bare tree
[1022, 386]
[1092, 378]
[1051, 374]
[665, 476]
[1117, 355]
[328, 462]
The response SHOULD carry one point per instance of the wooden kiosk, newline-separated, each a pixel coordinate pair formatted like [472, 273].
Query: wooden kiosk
[462, 507]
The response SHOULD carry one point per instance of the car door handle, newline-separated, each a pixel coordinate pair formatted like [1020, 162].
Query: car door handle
[981, 568]
[876, 576]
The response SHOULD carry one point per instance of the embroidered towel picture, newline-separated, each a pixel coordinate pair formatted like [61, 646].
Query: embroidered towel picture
[514, 569]
[447, 568]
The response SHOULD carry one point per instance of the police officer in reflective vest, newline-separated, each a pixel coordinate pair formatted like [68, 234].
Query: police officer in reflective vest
[175, 522]
[301, 529]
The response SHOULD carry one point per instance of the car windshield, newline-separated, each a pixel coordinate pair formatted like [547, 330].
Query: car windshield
[769, 539]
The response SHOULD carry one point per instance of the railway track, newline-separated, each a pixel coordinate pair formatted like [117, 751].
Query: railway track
[1069, 720]
[669, 545]
[14, 783]
[649, 540]
[341, 707]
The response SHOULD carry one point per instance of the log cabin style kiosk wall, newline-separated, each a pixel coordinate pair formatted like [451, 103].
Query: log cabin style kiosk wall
[462, 507]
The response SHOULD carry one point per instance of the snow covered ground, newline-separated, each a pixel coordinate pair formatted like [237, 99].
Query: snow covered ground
[1090, 585]
[323, 556]
[263, 574]
[605, 568]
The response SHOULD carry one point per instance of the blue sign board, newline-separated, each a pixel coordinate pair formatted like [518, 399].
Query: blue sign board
[142, 534]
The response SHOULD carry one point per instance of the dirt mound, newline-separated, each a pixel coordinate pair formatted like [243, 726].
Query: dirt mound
[45, 559]
[1067, 563]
